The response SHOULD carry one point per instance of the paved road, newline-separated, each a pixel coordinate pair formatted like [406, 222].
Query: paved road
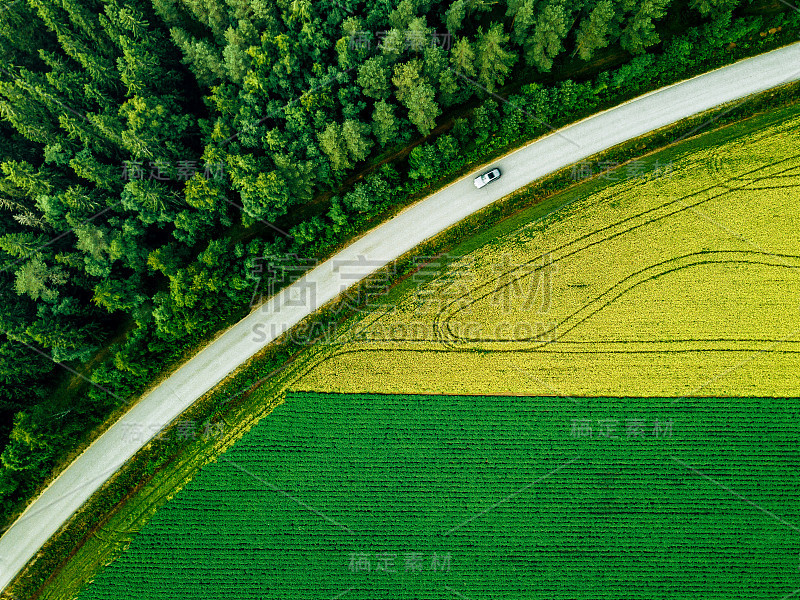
[376, 248]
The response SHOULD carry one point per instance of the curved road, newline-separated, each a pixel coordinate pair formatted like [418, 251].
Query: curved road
[376, 248]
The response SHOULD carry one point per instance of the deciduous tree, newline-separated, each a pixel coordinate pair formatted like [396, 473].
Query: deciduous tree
[551, 28]
[384, 123]
[594, 30]
[494, 62]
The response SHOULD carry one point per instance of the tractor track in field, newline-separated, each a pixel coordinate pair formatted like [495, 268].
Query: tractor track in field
[451, 342]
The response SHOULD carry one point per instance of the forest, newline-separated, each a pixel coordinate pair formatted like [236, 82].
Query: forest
[152, 152]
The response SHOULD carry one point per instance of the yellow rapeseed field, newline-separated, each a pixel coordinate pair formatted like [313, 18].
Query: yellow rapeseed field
[683, 284]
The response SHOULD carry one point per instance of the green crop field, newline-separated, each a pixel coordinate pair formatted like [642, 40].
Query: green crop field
[398, 496]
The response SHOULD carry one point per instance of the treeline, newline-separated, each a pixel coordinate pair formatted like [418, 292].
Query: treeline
[143, 142]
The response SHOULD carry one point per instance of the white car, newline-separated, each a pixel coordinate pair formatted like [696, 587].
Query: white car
[482, 180]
